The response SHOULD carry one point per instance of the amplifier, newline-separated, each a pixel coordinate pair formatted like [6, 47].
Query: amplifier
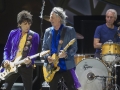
[17, 86]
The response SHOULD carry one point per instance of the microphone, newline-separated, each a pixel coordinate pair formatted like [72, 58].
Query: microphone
[41, 16]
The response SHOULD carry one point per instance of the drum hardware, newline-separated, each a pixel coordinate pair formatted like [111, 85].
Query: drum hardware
[116, 65]
[115, 86]
[117, 59]
[110, 64]
[105, 84]
[62, 85]
[91, 76]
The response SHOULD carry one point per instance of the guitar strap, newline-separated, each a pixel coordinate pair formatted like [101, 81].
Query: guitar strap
[49, 66]
[61, 38]
[28, 44]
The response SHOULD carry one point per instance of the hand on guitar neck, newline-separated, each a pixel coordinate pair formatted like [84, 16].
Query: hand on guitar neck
[27, 60]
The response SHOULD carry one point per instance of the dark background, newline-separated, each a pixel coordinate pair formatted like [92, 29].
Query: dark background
[83, 15]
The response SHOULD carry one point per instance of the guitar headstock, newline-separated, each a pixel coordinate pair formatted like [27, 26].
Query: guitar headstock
[72, 41]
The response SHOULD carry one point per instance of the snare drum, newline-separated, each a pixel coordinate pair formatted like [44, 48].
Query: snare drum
[79, 57]
[87, 69]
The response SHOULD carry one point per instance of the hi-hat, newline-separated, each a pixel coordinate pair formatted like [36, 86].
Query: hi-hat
[79, 36]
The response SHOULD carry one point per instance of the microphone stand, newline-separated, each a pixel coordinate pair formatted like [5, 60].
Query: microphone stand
[41, 40]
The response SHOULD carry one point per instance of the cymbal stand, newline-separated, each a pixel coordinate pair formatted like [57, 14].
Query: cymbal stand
[115, 77]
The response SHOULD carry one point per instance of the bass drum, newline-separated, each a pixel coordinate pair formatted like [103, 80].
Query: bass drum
[90, 72]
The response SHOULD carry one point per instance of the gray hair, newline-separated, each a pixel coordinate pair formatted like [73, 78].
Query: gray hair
[113, 11]
[61, 13]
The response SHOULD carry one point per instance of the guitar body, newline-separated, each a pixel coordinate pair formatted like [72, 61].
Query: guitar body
[48, 75]
[56, 60]
[9, 70]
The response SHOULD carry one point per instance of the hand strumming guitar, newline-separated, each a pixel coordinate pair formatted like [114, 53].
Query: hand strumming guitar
[6, 63]
[50, 60]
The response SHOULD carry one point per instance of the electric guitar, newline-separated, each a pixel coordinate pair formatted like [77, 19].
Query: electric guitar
[12, 68]
[49, 70]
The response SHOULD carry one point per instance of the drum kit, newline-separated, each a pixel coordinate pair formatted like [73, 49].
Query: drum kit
[99, 74]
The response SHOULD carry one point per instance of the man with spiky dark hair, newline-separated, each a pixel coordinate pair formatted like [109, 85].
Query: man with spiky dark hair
[21, 42]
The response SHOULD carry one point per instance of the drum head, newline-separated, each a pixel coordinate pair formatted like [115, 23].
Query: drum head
[90, 72]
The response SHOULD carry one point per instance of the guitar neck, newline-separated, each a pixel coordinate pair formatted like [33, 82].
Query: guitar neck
[31, 57]
[69, 44]
[66, 47]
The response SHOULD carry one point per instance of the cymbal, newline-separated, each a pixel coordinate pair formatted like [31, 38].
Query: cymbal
[79, 36]
[47, 18]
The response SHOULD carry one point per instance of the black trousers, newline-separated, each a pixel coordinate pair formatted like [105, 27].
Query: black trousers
[97, 55]
[26, 74]
[69, 82]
